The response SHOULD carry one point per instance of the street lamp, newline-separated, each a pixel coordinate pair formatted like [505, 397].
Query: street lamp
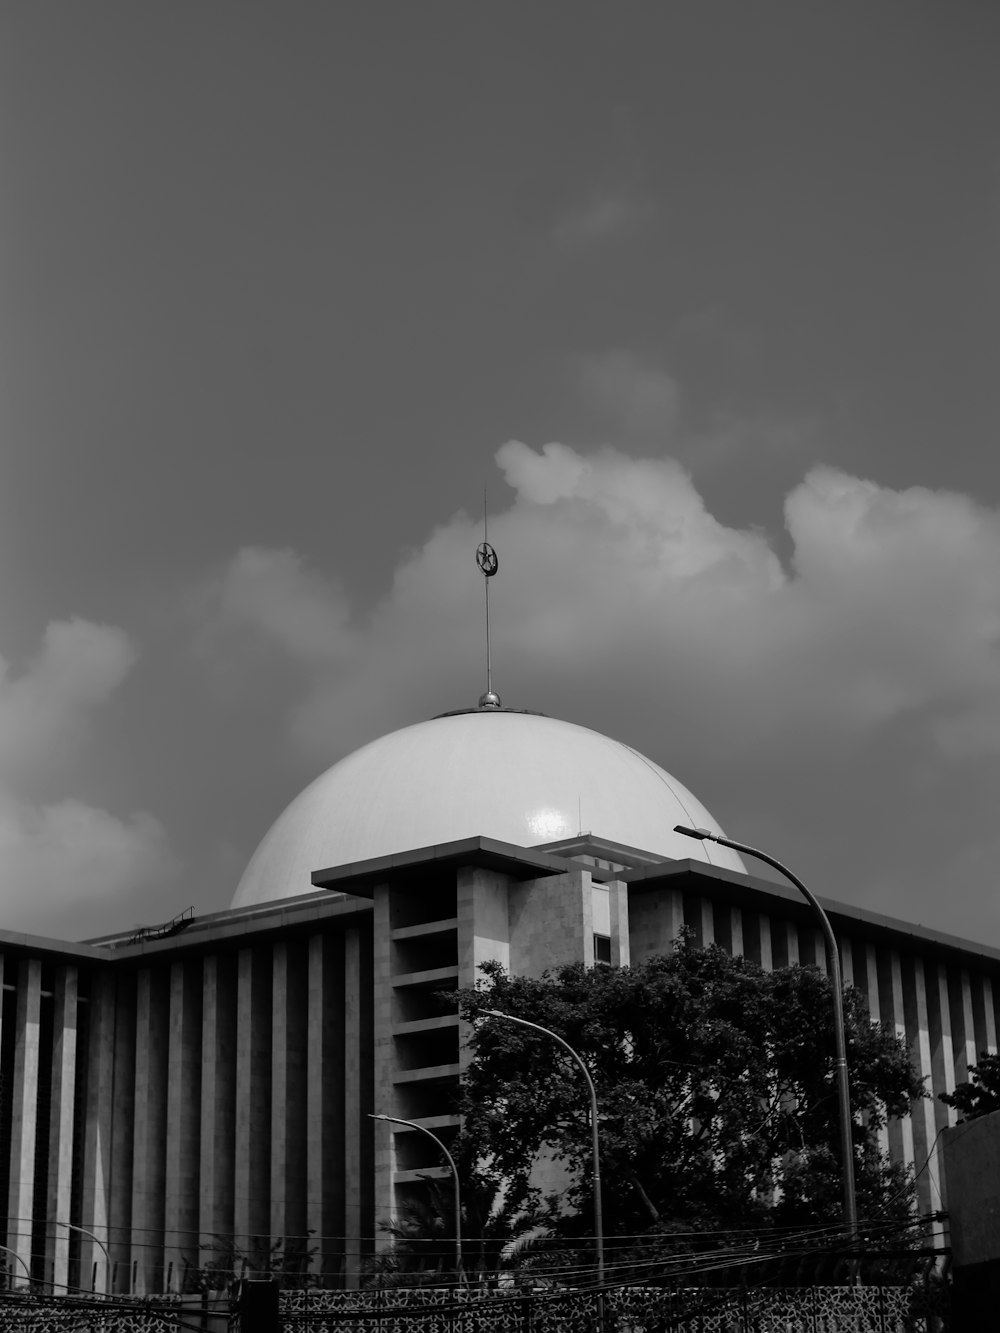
[74, 1226]
[14, 1255]
[833, 957]
[598, 1221]
[412, 1124]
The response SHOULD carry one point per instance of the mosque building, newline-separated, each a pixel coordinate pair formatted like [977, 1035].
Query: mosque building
[206, 1087]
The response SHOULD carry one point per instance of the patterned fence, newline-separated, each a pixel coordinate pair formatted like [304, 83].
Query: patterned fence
[817, 1309]
[918, 1308]
[30, 1313]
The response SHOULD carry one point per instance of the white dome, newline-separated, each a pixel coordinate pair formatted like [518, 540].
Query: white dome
[517, 777]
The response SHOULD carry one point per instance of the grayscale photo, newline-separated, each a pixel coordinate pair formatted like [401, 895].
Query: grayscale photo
[499, 666]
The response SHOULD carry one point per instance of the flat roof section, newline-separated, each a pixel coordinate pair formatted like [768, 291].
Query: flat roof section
[519, 862]
[749, 890]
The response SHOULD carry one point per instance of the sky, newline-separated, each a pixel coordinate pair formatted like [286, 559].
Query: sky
[705, 294]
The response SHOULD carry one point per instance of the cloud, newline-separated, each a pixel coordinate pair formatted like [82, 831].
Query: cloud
[59, 857]
[272, 593]
[79, 666]
[637, 402]
[57, 852]
[898, 590]
[888, 606]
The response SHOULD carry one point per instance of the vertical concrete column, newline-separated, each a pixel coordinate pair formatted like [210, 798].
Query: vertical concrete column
[943, 1051]
[654, 922]
[384, 1145]
[918, 1029]
[900, 1132]
[251, 1201]
[847, 961]
[24, 1112]
[960, 1008]
[942, 1066]
[359, 1204]
[5, 1027]
[483, 922]
[792, 937]
[551, 922]
[288, 1098]
[673, 917]
[807, 946]
[152, 1027]
[978, 1013]
[366, 1063]
[819, 949]
[706, 930]
[4, 1147]
[736, 931]
[61, 1113]
[217, 1139]
[750, 935]
[853, 964]
[124, 1088]
[183, 1174]
[766, 950]
[722, 924]
[989, 1016]
[106, 1168]
[994, 994]
[867, 980]
[621, 953]
[325, 1103]
[970, 1051]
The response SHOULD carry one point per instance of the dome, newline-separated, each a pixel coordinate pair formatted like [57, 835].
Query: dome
[520, 778]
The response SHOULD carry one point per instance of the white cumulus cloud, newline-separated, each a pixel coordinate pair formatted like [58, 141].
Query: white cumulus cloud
[274, 594]
[57, 853]
[80, 664]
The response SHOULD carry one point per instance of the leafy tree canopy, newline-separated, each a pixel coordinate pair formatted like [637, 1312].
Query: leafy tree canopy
[716, 1088]
[981, 1094]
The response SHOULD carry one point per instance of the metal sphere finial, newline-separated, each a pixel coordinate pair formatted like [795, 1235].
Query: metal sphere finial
[490, 700]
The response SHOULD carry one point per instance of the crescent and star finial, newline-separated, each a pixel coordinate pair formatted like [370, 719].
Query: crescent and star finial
[486, 559]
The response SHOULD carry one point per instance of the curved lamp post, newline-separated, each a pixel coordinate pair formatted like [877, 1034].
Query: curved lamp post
[14, 1255]
[598, 1220]
[73, 1226]
[412, 1124]
[833, 956]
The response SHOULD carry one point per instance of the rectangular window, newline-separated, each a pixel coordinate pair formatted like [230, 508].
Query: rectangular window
[602, 948]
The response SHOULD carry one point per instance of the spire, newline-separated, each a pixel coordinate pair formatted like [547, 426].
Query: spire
[486, 559]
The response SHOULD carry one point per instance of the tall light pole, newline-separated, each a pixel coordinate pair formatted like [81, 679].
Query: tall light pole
[74, 1226]
[412, 1124]
[595, 1143]
[14, 1255]
[833, 958]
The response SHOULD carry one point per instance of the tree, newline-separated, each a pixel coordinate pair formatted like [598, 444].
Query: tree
[981, 1094]
[716, 1088]
[289, 1259]
[497, 1231]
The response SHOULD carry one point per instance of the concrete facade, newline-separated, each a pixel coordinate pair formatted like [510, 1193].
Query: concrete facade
[971, 1152]
[168, 1102]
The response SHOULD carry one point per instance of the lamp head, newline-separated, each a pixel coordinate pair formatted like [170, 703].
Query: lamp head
[702, 834]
